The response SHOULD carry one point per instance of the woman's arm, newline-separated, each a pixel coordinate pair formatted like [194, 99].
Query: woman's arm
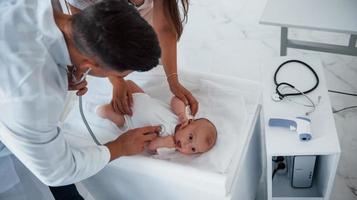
[167, 36]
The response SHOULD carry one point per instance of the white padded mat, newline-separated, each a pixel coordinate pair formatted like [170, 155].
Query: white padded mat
[220, 103]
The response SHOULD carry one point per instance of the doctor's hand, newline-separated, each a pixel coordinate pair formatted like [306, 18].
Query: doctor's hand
[132, 142]
[183, 94]
[122, 97]
[74, 74]
[81, 87]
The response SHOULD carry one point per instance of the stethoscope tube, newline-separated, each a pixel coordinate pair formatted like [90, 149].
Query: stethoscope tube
[85, 121]
[278, 85]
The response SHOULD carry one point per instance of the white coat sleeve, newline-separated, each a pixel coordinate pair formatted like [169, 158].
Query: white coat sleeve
[29, 129]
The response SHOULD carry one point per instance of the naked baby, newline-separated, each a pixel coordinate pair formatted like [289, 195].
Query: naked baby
[186, 135]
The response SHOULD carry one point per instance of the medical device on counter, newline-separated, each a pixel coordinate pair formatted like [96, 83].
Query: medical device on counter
[301, 170]
[280, 95]
[299, 124]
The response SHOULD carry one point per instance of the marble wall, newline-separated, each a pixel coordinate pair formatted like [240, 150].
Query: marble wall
[225, 37]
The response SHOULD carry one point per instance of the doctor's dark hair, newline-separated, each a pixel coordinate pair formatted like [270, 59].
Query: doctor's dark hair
[114, 32]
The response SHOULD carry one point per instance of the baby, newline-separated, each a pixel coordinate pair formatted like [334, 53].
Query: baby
[177, 130]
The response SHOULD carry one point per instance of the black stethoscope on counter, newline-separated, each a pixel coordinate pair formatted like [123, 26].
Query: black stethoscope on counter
[280, 95]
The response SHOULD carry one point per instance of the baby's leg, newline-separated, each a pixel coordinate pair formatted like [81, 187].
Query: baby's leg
[133, 87]
[106, 111]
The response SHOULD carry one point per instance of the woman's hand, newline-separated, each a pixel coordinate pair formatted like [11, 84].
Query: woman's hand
[122, 97]
[183, 94]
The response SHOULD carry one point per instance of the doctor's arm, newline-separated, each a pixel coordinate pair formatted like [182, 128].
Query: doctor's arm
[132, 142]
[30, 131]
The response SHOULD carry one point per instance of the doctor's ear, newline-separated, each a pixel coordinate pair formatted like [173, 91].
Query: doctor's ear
[95, 69]
[86, 63]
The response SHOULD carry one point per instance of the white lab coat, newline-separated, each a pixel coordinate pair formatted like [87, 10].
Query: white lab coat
[33, 87]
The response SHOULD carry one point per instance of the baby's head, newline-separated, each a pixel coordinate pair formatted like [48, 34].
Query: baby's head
[198, 136]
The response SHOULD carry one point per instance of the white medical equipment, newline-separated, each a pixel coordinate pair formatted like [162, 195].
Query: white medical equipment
[281, 92]
[301, 125]
[302, 171]
[217, 174]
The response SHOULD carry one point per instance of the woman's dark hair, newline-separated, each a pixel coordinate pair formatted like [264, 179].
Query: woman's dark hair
[172, 10]
[113, 31]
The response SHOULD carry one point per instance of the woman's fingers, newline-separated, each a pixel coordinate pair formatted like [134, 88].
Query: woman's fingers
[184, 95]
[193, 103]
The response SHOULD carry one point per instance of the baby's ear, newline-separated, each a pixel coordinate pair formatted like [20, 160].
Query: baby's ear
[184, 124]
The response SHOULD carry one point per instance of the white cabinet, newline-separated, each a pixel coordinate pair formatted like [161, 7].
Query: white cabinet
[283, 142]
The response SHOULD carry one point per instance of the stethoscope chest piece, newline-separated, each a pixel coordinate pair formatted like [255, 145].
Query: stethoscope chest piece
[275, 97]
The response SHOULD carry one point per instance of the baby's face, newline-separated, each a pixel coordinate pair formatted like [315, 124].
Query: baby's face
[197, 137]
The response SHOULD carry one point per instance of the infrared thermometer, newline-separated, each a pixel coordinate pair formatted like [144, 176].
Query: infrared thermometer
[301, 125]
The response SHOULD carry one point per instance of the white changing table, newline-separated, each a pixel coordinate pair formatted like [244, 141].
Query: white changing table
[143, 177]
[338, 16]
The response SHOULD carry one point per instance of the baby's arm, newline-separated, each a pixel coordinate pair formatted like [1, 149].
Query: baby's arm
[160, 142]
[179, 108]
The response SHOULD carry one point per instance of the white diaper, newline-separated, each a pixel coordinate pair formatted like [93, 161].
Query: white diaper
[148, 111]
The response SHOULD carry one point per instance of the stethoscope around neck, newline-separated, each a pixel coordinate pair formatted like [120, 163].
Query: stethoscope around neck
[74, 80]
[280, 95]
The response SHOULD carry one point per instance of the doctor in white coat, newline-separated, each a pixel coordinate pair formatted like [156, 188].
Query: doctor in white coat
[37, 44]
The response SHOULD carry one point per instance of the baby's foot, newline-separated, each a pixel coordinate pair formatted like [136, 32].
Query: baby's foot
[103, 111]
[107, 112]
